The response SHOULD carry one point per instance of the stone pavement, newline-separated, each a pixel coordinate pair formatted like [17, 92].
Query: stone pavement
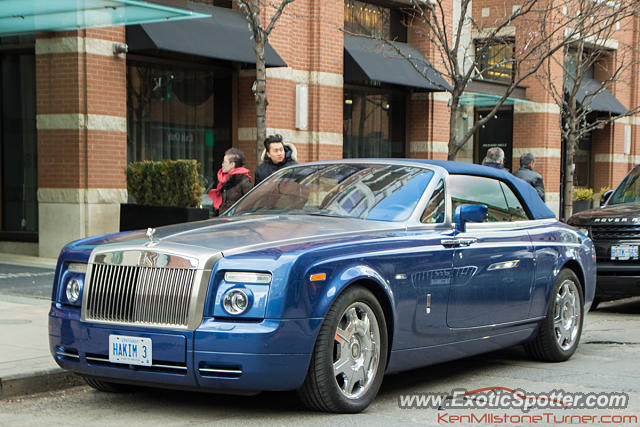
[26, 365]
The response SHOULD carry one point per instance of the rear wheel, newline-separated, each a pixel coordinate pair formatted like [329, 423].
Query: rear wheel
[350, 355]
[559, 333]
[107, 386]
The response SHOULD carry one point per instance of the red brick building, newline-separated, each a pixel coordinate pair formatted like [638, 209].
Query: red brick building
[76, 110]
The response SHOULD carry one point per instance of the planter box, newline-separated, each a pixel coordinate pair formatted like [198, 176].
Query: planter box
[581, 205]
[139, 217]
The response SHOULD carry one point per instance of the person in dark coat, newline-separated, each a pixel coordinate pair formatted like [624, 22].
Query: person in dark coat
[276, 155]
[234, 181]
[494, 158]
[526, 172]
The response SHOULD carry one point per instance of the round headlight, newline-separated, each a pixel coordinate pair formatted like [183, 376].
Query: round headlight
[235, 301]
[73, 290]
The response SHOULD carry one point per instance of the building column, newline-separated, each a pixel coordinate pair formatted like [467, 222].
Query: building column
[82, 135]
[428, 126]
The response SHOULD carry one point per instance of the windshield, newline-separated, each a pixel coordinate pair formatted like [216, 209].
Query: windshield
[377, 192]
[629, 189]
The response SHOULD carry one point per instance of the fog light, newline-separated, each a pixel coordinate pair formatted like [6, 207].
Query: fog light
[73, 290]
[235, 301]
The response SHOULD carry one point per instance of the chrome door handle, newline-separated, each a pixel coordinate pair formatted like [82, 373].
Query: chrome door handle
[458, 242]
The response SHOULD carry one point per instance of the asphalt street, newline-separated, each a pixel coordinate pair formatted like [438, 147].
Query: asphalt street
[25, 281]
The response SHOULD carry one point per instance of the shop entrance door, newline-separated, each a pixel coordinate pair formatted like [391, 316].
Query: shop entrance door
[497, 132]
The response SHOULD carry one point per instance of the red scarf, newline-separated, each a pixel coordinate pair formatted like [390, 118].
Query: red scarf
[216, 193]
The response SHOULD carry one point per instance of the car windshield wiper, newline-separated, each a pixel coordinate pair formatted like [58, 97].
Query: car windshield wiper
[262, 211]
[322, 212]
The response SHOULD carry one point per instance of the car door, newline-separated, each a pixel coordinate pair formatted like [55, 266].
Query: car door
[430, 272]
[493, 262]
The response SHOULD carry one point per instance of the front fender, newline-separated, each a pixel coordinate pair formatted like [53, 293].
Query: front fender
[351, 275]
[582, 263]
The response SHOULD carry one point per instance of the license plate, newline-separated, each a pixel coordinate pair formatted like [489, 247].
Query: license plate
[624, 252]
[130, 350]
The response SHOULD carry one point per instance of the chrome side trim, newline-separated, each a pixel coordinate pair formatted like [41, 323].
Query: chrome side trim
[69, 355]
[153, 365]
[220, 371]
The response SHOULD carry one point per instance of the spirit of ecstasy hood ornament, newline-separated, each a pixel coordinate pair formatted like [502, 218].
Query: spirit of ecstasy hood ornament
[150, 234]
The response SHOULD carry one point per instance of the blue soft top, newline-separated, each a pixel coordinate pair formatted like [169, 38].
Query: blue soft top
[529, 195]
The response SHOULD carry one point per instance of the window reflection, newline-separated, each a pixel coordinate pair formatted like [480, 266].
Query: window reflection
[502, 203]
[377, 192]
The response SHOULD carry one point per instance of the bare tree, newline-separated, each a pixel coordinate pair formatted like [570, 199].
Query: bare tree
[542, 31]
[589, 67]
[253, 12]
[457, 57]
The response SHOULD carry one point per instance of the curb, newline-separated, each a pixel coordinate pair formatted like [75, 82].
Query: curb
[38, 382]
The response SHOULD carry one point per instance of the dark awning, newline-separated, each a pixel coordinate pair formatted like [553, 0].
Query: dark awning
[604, 102]
[225, 35]
[369, 59]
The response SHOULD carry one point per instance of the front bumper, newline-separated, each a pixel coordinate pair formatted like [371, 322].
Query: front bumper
[618, 280]
[217, 356]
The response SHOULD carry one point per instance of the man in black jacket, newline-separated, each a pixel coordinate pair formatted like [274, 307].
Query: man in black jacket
[526, 172]
[275, 156]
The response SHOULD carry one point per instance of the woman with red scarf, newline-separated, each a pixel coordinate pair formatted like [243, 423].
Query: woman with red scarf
[234, 181]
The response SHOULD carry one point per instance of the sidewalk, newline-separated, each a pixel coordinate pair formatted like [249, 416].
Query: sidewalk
[26, 365]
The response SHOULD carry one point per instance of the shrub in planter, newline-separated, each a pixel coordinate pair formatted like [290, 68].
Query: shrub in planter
[165, 183]
[582, 198]
[166, 192]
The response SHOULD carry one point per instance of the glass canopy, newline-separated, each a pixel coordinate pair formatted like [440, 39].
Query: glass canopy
[487, 100]
[26, 16]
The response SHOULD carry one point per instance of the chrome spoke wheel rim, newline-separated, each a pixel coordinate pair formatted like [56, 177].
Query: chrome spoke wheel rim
[356, 350]
[566, 314]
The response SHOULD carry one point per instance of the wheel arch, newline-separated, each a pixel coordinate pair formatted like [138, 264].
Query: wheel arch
[574, 266]
[385, 302]
[370, 279]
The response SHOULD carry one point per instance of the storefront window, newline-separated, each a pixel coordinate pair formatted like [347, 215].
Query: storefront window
[582, 160]
[18, 142]
[367, 19]
[495, 59]
[373, 124]
[176, 113]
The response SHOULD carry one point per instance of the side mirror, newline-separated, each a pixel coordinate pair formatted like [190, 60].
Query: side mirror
[605, 196]
[469, 213]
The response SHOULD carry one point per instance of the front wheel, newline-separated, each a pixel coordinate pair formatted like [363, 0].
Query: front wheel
[350, 355]
[559, 333]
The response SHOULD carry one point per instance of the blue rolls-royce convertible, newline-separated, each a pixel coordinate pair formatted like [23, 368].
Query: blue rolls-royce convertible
[322, 279]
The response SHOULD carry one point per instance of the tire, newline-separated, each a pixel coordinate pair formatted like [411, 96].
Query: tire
[559, 333]
[345, 373]
[107, 386]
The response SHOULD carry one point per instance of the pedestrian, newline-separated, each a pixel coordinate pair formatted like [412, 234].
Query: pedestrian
[276, 155]
[234, 181]
[494, 158]
[526, 172]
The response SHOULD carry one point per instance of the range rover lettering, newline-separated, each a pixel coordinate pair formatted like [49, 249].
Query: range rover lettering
[322, 279]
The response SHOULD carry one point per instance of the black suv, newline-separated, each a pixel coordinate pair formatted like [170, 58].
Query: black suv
[615, 231]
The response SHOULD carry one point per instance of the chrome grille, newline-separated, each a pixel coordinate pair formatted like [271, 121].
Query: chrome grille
[615, 232]
[140, 295]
